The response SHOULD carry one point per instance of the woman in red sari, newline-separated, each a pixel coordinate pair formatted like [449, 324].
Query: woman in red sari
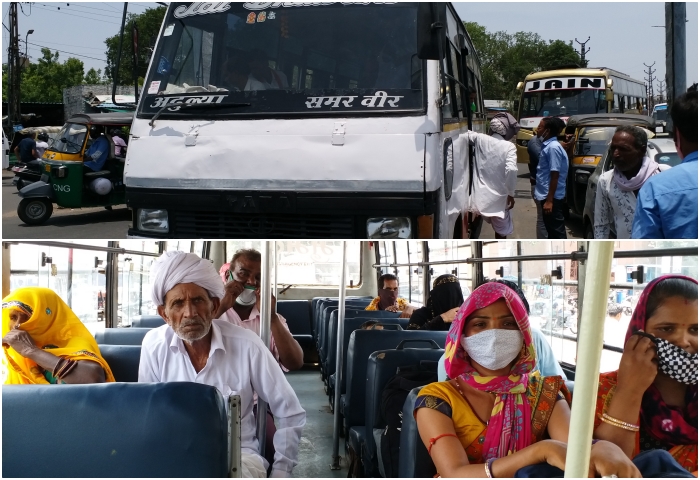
[650, 404]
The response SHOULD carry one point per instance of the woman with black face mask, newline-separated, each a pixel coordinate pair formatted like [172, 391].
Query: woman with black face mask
[651, 402]
[444, 301]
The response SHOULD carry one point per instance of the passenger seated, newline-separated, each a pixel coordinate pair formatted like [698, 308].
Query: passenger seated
[472, 425]
[261, 72]
[371, 325]
[46, 343]
[119, 143]
[238, 78]
[650, 404]
[444, 301]
[195, 347]
[388, 297]
[96, 156]
[546, 363]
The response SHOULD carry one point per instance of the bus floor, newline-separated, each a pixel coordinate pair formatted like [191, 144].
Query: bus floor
[316, 447]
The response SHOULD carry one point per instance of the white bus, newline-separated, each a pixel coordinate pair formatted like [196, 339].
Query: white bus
[314, 120]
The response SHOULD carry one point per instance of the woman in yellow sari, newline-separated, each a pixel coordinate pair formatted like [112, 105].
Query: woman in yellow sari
[45, 342]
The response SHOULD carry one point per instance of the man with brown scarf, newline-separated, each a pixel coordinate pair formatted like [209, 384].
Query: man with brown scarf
[388, 298]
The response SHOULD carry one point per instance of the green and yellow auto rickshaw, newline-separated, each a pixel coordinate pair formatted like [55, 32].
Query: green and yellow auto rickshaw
[66, 181]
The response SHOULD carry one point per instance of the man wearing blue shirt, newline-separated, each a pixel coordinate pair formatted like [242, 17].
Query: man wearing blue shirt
[550, 183]
[97, 154]
[667, 205]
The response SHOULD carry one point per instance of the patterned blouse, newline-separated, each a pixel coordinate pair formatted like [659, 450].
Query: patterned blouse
[374, 304]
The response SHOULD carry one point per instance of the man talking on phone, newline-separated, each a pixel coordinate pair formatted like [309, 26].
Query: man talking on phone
[241, 306]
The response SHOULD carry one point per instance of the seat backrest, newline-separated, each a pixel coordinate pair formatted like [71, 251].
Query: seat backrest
[298, 315]
[414, 461]
[147, 321]
[362, 344]
[352, 324]
[121, 336]
[175, 429]
[123, 360]
[324, 324]
[381, 367]
[321, 312]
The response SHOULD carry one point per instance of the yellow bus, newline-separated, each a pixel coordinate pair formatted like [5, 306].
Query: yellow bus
[573, 91]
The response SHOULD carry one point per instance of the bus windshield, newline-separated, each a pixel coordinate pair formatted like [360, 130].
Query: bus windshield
[286, 59]
[563, 102]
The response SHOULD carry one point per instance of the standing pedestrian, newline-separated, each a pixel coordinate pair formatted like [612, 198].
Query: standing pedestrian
[534, 148]
[550, 184]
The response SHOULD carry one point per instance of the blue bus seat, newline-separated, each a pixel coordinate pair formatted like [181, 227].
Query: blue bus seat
[298, 316]
[174, 429]
[323, 304]
[147, 321]
[414, 461]
[381, 367]
[123, 360]
[570, 386]
[121, 336]
[362, 344]
[330, 314]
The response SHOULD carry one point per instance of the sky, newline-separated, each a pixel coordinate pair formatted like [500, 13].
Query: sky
[623, 36]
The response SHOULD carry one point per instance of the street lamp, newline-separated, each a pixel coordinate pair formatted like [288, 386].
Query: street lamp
[25, 42]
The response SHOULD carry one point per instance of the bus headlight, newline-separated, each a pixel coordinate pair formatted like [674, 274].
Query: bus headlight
[152, 220]
[395, 227]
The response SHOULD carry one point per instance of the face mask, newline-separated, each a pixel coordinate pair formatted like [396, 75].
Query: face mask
[387, 298]
[676, 363]
[493, 349]
[247, 297]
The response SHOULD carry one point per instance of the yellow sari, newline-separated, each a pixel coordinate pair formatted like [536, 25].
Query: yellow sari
[54, 327]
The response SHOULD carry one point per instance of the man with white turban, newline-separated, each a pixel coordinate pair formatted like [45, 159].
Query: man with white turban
[495, 174]
[194, 347]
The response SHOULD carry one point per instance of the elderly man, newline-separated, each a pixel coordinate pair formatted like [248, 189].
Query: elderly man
[388, 298]
[241, 306]
[667, 206]
[194, 347]
[496, 174]
[616, 195]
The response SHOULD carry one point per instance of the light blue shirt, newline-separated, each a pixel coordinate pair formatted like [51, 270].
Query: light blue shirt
[552, 159]
[546, 363]
[667, 205]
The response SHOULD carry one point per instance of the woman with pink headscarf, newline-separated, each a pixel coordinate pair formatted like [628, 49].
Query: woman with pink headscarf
[498, 414]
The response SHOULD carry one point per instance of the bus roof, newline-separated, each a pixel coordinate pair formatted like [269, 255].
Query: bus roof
[569, 72]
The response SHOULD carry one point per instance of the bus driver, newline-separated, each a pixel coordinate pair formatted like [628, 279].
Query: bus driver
[194, 347]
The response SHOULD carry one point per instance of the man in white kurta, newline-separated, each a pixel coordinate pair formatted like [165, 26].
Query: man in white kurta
[495, 177]
[196, 348]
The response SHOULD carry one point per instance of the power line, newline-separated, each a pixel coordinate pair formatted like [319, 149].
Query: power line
[68, 45]
[69, 53]
[80, 16]
[79, 9]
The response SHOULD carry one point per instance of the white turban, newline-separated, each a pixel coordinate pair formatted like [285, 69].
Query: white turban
[173, 268]
[498, 127]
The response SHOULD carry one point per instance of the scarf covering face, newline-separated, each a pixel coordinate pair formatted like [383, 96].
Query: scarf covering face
[669, 424]
[649, 169]
[173, 268]
[51, 324]
[387, 298]
[509, 429]
[445, 295]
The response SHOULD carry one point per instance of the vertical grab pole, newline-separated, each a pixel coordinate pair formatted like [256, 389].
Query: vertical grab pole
[339, 360]
[265, 331]
[590, 345]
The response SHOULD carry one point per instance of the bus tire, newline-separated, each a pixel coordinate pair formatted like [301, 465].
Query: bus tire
[34, 211]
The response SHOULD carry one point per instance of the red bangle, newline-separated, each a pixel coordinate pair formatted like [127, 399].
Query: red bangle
[435, 439]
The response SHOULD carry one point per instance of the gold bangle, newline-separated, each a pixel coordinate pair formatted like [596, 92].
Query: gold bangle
[605, 418]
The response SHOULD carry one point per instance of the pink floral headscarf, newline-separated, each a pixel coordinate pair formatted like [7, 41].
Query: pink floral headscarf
[509, 429]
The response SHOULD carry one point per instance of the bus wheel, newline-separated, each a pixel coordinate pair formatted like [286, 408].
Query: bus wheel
[34, 211]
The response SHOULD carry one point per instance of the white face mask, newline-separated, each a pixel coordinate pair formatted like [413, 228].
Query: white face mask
[493, 349]
[247, 297]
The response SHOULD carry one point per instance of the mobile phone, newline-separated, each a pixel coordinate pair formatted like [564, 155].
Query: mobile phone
[229, 276]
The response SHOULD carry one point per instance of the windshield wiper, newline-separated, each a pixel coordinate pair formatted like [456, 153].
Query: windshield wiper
[200, 105]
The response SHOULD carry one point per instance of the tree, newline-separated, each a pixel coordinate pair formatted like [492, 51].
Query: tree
[507, 58]
[148, 23]
[45, 80]
[94, 77]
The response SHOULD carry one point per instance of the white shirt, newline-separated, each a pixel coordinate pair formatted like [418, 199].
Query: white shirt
[614, 208]
[41, 148]
[239, 364]
[495, 174]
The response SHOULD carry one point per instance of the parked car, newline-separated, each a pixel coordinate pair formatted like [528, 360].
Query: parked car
[593, 135]
[663, 150]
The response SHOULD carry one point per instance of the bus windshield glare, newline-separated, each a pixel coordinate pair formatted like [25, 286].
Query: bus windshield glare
[563, 102]
[290, 59]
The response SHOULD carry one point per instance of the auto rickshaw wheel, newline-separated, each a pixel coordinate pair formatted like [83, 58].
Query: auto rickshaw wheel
[34, 211]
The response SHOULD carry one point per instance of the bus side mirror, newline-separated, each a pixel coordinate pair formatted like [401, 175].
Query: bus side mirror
[431, 24]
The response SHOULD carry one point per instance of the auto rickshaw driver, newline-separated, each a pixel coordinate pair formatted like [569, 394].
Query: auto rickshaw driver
[97, 154]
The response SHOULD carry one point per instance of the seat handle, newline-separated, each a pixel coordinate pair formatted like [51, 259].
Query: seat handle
[433, 343]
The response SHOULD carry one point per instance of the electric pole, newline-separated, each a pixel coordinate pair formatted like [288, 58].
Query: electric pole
[661, 85]
[650, 83]
[583, 51]
[13, 63]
